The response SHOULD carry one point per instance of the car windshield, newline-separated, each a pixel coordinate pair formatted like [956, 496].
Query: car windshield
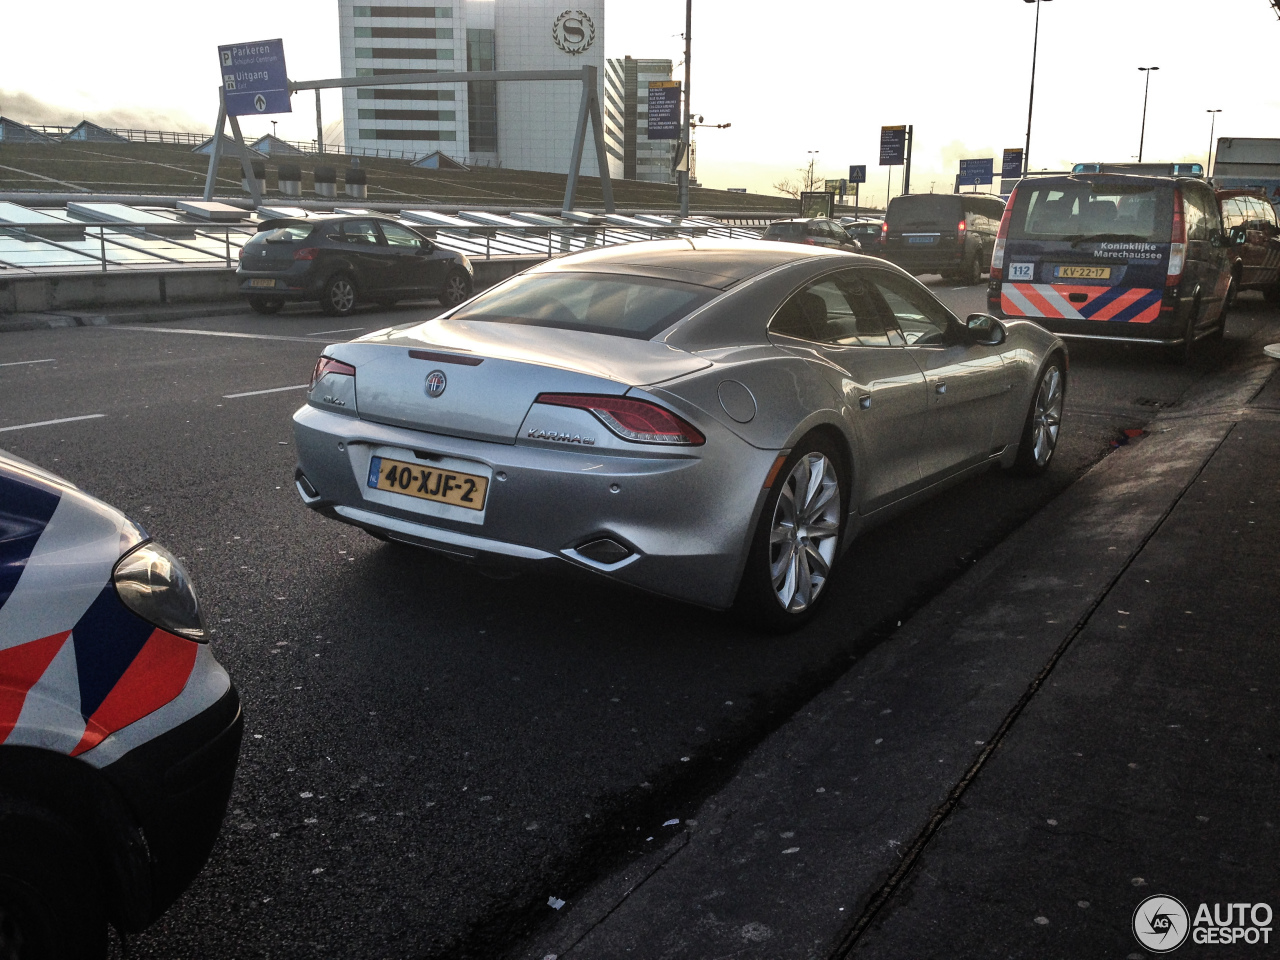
[787, 229]
[1081, 210]
[621, 306]
[925, 210]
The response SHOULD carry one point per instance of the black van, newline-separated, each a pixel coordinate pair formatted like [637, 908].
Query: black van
[948, 233]
[1098, 256]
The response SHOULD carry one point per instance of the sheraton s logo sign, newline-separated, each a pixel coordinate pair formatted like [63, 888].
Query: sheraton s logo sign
[573, 31]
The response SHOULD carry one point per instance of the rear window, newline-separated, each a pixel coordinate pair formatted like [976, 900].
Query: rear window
[289, 234]
[1092, 210]
[789, 229]
[925, 210]
[620, 306]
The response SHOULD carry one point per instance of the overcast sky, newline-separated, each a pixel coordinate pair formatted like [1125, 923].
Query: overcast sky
[790, 76]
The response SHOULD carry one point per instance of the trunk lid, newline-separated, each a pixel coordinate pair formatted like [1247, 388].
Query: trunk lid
[493, 372]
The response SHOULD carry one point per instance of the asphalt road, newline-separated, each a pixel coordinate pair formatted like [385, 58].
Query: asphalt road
[431, 754]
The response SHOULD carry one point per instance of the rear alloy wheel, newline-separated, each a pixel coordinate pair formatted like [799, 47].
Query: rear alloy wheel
[339, 296]
[796, 541]
[265, 306]
[1044, 423]
[457, 287]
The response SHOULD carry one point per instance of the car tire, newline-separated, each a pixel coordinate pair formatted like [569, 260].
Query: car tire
[266, 305]
[1184, 352]
[339, 297]
[52, 904]
[973, 271]
[787, 573]
[1043, 426]
[457, 287]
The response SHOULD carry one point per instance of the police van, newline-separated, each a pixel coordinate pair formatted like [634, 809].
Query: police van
[1106, 253]
[119, 731]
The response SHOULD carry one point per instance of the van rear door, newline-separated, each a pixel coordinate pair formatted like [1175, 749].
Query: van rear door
[1083, 251]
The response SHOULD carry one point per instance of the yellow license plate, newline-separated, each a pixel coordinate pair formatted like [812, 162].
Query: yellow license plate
[428, 483]
[262, 283]
[1082, 273]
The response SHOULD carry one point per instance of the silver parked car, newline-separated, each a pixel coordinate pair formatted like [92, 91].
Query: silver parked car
[714, 421]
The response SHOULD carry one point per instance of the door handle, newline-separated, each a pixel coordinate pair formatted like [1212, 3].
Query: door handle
[940, 386]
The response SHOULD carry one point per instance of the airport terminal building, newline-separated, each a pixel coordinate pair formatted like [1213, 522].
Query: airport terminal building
[526, 125]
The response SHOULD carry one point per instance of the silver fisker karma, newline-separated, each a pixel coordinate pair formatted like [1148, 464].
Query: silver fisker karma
[714, 421]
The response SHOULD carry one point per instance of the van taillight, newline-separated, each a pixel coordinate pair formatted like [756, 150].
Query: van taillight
[997, 252]
[1178, 244]
[960, 226]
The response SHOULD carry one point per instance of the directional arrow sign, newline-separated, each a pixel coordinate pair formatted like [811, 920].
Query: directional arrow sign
[254, 78]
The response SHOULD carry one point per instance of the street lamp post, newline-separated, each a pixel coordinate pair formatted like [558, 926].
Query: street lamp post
[1031, 100]
[1213, 119]
[688, 120]
[1142, 139]
[808, 178]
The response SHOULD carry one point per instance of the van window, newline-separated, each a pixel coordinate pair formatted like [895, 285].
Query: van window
[1198, 218]
[1070, 209]
[932, 210]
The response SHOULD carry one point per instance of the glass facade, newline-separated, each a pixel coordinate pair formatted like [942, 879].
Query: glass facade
[482, 95]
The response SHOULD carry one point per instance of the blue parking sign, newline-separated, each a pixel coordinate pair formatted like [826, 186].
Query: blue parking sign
[254, 79]
[974, 172]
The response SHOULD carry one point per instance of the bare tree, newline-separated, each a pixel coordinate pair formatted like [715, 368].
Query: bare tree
[788, 187]
[809, 181]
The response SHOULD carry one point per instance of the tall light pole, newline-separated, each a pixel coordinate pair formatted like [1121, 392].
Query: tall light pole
[688, 131]
[1213, 119]
[1031, 100]
[813, 159]
[1142, 139]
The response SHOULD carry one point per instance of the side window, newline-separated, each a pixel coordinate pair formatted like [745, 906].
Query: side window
[1196, 216]
[360, 232]
[400, 237]
[839, 309]
[921, 318]
[1231, 216]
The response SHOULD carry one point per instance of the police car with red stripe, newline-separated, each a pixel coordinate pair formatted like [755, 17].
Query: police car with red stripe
[119, 731]
[1111, 253]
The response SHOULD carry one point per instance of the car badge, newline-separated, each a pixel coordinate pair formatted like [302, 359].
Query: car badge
[436, 382]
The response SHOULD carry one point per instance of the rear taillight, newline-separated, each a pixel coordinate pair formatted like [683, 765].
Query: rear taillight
[329, 365]
[884, 230]
[810, 241]
[960, 227]
[1178, 244]
[306, 253]
[240, 253]
[997, 252]
[637, 420]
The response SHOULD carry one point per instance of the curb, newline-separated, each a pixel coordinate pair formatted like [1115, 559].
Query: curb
[63, 319]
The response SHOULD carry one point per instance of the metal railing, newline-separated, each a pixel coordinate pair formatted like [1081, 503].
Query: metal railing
[163, 246]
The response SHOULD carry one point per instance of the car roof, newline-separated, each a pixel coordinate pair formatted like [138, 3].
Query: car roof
[1257, 193]
[800, 220]
[708, 262]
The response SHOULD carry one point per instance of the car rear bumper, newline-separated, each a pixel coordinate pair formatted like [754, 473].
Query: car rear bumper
[177, 785]
[924, 261]
[684, 517]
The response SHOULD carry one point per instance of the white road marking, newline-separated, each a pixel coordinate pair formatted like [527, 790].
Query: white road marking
[321, 333]
[18, 363]
[205, 333]
[258, 393]
[49, 423]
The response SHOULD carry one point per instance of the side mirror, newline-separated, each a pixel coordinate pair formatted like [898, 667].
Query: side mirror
[984, 329]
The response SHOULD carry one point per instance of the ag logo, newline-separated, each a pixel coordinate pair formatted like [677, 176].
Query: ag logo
[573, 31]
[436, 383]
[1161, 924]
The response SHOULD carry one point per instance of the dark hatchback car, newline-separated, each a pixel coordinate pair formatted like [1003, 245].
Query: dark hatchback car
[815, 231]
[343, 261]
[948, 233]
[866, 232]
[1253, 238]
